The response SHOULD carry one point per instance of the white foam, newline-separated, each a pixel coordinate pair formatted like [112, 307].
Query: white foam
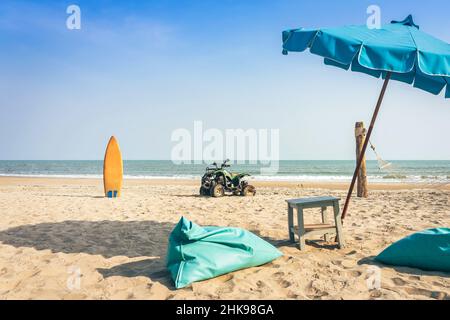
[295, 178]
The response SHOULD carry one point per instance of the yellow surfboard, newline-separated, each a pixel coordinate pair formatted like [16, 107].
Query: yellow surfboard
[112, 169]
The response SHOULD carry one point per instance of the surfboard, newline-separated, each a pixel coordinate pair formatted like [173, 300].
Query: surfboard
[112, 169]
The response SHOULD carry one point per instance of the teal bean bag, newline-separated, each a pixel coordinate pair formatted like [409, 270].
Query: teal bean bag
[426, 250]
[197, 253]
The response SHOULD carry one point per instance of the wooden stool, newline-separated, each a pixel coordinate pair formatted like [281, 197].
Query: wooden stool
[324, 229]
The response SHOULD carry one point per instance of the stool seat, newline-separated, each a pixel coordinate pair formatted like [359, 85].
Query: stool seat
[324, 229]
[314, 200]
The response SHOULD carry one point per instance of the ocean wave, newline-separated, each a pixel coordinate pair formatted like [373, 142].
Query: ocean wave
[395, 176]
[47, 175]
[94, 176]
[302, 178]
[392, 178]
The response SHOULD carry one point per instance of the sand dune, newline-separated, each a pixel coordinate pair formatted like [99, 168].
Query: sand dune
[60, 239]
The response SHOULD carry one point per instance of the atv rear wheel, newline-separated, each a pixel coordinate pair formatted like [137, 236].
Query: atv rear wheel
[248, 190]
[217, 191]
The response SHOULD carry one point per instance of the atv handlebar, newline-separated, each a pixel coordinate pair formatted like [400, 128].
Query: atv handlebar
[224, 164]
[214, 165]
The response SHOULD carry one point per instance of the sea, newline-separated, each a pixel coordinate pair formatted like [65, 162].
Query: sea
[399, 171]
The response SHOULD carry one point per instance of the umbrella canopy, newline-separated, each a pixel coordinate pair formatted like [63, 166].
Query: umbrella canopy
[412, 56]
[397, 51]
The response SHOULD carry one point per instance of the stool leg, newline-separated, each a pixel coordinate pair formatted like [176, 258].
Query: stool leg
[301, 228]
[324, 215]
[338, 222]
[326, 236]
[291, 223]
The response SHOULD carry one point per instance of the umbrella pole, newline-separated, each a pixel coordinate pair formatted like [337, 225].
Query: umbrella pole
[366, 142]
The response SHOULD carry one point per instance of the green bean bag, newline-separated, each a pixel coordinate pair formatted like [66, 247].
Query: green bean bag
[197, 253]
[427, 250]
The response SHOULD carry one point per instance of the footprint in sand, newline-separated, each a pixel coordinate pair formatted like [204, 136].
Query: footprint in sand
[438, 295]
[439, 284]
[278, 274]
[285, 283]
[225, 278]
[376, 293]
[275, 265]
[427, 293]
[398, 281]
[228, 287]
[292, 295]
[355, 273]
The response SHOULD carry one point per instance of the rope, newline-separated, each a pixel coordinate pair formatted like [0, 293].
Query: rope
[382, 164]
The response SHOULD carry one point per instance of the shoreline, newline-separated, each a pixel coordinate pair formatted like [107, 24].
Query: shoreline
[332, 185]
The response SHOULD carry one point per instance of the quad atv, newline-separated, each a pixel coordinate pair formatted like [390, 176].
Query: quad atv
[217, 181]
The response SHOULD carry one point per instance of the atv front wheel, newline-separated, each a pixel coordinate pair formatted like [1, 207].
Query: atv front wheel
[204, 192]
[248, 190]
[217, 191]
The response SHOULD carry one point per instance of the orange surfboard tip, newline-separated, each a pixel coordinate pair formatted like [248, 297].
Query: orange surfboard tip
[112, 169]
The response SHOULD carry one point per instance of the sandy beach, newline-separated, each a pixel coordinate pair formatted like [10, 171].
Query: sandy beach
[61, 239]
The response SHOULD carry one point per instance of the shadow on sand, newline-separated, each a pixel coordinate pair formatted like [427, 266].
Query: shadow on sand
[189, 196]
[74, 196]
[107, 238]
[275, 242]
[319, 244]
[200, 196]
[412, 271]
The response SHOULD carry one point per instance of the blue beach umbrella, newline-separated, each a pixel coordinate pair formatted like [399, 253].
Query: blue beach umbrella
[397, 51]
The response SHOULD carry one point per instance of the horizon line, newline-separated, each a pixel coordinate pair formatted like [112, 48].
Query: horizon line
[232, 161]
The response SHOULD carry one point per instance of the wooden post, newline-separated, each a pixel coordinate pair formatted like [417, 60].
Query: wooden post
[360, 136]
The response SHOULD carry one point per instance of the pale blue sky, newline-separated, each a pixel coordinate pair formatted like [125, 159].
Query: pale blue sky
[140, 69]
